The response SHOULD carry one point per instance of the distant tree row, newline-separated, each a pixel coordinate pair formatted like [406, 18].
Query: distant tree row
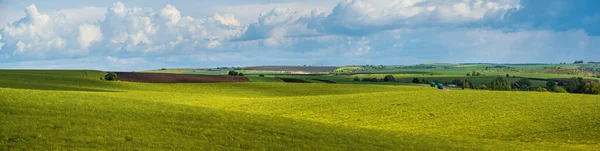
[234, 73]
[578, 62]
[574, 85]
[474, 74]
[387, 78]
[579, 85]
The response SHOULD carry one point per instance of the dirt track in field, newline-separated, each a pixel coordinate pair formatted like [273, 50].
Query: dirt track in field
[177, 78]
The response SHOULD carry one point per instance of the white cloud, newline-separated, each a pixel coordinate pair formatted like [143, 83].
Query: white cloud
[213, 44]
[171, 14]
[124, 61]
[88, 34]
[227, 19]
[1, 43]
[281, 22]
[83, 15]
[122, 30]
[360, 17]
[355, 30]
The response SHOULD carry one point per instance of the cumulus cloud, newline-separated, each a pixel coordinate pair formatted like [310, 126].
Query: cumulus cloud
[227, 19]
[361, 17]
[122, 30]
[1, 43]
[81, 15]
[354, 31]
[279, 22]
[171, 14]
[88, 34]
[35, 34]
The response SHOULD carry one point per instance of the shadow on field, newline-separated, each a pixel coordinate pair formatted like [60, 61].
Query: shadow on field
[292, 80]
[54, 88]
[325, 81]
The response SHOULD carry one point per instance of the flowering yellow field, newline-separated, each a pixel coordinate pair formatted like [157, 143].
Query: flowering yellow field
[52, 110]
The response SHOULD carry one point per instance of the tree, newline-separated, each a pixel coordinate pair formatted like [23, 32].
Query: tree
[262, 75]
[591, 88]
[474, 73]
[478, 74]
[524, 82]
[415, 80]
[468, 74]
[550, 85]
[424, 81]
[500, 84]
[111, 76]
[356, 79]
[232, 73]
[575, 85]
[389, 78]
[240, 74]
[465, 84]
[507, 76]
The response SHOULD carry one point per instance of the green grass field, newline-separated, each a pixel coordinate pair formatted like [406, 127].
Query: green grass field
[59, 110]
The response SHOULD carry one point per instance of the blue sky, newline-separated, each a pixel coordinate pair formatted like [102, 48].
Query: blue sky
[137, 34]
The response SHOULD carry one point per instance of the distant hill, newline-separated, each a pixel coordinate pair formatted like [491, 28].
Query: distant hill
[296, 68]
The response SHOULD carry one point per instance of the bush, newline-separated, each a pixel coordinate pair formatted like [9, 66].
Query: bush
[356, 79]
[111, 76]
[483, 87]
[370, 80]
[262, 75]
[163, 68]
[425, 81]
[591, 88]
[550, 85]
[416, 80]
[389, 78]
[240, 74]
[524, 82]
[558, 89]
[541, 89]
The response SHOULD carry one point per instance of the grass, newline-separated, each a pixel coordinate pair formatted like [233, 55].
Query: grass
[255, 78]
[58, 110]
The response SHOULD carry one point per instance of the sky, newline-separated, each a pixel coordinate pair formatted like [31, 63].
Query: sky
[133, 35]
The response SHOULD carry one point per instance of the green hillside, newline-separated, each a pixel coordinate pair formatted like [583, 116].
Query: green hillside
[58, 110]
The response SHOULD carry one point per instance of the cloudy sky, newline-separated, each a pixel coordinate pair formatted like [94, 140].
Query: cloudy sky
[137, 34]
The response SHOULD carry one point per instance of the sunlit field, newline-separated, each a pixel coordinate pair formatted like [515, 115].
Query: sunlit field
[57, 110]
